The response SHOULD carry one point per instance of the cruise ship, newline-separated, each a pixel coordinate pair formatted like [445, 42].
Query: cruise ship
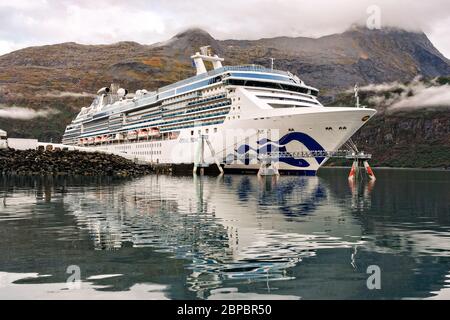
[239, 117]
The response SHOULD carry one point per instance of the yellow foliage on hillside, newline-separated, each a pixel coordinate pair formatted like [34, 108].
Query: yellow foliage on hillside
[153, 62]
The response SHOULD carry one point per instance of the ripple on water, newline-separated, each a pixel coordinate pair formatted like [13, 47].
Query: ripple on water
[227, 235]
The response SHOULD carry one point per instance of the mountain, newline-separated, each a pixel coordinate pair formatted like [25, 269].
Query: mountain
[331, 62]
[188, 42]
[61, 78]
[356, 56]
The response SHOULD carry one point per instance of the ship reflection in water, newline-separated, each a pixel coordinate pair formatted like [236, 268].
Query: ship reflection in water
[163, 237]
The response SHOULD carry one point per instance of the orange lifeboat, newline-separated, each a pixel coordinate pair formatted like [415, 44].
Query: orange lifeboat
[142, 133]
[153, 132]
[131, 135]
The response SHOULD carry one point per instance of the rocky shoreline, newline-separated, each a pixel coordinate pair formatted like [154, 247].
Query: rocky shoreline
[34, 162]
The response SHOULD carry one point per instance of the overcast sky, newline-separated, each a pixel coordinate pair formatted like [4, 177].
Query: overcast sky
[36, 22]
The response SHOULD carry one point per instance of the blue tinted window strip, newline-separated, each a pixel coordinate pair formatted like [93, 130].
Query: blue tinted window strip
[209, 123]
[188, 111]
[166, 94]
[260, 76]
[194, 118]
[196, 124]
[195, 85]
[129, 126]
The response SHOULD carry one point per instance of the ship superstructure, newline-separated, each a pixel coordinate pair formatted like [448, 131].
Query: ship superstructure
[243, 112]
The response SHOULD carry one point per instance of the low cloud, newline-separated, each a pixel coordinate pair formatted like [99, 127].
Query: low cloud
[21, 113]
[384, 87]
[32, 22]
[64, 94]
[396, 96]
[431, 97]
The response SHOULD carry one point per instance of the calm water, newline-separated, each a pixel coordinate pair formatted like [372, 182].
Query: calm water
[163, 237]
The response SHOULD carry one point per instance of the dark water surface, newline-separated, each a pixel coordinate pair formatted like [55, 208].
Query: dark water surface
[239, 237]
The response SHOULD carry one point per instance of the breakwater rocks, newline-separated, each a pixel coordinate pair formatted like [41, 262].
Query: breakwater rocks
[34, 162]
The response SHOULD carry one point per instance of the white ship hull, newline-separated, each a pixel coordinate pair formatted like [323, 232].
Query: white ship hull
[297, 132]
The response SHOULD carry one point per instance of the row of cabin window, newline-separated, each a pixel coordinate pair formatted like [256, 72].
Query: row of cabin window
[147, 145]
[159, 144]
[149, 153]
[191, 124]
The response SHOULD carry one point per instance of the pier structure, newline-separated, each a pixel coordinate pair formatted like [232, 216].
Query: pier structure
[268, 160]
[360, 160]
[199, 161]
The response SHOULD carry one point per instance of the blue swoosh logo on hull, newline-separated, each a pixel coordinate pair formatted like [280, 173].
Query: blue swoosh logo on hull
[280, 146]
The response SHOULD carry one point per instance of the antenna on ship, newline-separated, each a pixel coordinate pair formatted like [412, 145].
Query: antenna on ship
[356, 89]
[271, 63]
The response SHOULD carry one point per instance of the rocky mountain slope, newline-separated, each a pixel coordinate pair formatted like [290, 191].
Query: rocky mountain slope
[356, 56]
[331, 62]
[61, 78]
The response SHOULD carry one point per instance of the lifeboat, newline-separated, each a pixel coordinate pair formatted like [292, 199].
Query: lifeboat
[142, 133]
[153, 132]
[131, 135]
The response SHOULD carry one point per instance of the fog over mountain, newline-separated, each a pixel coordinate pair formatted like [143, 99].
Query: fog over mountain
[23, 113]
[416, 94]
[35, 22]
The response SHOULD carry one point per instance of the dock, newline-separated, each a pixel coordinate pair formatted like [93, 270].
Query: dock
[266, 160]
